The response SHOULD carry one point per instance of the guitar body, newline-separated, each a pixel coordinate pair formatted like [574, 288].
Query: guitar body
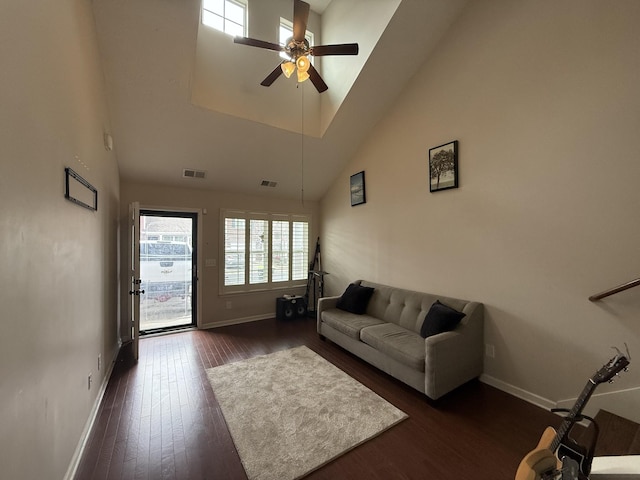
[540, 460]
[577, 452]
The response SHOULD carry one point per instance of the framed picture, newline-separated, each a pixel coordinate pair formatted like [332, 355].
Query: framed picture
[358, 195]
[79, 191]
[443, 167]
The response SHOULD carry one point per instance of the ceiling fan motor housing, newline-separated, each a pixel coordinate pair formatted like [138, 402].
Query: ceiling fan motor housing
[296, 50]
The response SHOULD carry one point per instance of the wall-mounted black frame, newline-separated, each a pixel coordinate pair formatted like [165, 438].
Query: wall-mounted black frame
[79, 191]
[443, 167]
[358, 194]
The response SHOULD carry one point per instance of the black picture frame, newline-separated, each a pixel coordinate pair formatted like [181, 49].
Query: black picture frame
[357, 189]
[443, 167]
[79, 191]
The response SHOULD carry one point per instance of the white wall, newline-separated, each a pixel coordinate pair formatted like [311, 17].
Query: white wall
[543, 98]
[58, 274]
[212, 305]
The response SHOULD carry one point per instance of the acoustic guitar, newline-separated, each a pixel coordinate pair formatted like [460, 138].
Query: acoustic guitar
[542, 463]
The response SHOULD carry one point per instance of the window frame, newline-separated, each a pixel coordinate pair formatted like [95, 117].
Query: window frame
[240, 3]
[269, 284]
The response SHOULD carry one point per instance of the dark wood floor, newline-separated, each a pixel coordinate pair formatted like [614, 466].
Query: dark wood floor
[160, 418]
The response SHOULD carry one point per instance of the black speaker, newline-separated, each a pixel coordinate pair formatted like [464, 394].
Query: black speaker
[290, 308]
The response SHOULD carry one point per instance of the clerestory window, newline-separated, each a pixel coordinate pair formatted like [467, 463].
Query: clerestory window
[228, 16]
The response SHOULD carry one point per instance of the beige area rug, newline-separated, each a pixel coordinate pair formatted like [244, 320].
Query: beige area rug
[292, 412]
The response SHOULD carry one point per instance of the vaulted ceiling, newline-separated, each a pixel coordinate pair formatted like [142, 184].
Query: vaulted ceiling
[183, 98]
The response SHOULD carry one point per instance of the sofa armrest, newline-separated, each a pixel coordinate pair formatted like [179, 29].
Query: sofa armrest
[325, 303]
[453, 358]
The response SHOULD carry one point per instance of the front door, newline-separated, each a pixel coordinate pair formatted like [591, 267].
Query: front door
[134, 275]
[167, 248]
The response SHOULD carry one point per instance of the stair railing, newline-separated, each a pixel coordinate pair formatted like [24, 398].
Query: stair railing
[614, 290]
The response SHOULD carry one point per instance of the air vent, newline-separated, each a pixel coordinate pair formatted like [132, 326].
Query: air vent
[191, 173]
[267, 183]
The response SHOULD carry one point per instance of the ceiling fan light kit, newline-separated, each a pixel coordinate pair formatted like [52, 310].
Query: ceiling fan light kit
[303, 63]
[302, 76]
[298, 50]
[288, 68]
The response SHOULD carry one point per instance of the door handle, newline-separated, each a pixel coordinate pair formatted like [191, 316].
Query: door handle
[136, 292]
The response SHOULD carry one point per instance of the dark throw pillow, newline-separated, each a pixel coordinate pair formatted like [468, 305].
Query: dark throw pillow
[440, 318]
[355, 299]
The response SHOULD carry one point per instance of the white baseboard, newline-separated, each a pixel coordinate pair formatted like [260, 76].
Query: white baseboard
[518, 392]
[84, 438]
[237, 321]
[623, 403]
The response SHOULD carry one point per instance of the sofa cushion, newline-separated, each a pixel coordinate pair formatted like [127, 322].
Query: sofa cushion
[355, 299]
[397, 342]
[440, 318]
[348, 323]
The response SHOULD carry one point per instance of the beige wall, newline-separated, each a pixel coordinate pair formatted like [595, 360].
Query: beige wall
[543, 98]
[213, 306]
[59, 261]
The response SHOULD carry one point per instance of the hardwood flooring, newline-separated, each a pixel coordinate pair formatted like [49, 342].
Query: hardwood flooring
[160, 418]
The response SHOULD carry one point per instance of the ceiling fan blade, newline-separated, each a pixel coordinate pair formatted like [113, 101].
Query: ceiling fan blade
[272, 77]
[252, 42]
[300, 18]
[316, 79]
[341, 49]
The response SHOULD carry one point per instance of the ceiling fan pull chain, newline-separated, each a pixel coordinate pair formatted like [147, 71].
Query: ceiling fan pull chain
[302, 146]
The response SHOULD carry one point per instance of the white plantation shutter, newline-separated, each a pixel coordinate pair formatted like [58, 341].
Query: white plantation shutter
[299, 250]
[280, 251]
[234, 251]
[258, 251]
[263, 251]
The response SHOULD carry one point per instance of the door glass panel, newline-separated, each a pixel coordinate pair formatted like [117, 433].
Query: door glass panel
[166, 270]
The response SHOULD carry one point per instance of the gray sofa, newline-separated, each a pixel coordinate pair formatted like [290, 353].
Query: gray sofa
[388, 336]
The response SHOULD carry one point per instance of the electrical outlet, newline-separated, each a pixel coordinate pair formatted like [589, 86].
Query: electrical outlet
[99, 361]
[229, 305]
[490, 350]
[89, 382]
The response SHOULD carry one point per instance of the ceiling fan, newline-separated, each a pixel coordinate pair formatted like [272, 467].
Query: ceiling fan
[298, 50]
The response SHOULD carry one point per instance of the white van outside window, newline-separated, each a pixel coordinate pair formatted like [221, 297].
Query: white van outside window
[165, 269]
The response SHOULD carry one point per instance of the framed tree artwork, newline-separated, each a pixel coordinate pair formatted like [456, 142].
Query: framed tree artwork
[443, 167]
[356, 184]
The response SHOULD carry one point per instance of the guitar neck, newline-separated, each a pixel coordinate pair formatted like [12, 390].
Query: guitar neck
[573, 413]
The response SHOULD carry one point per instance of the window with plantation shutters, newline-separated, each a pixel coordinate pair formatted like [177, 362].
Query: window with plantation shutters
[263, 251]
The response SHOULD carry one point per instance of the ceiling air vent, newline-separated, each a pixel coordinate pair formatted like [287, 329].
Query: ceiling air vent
[267, 183]
[191, 173]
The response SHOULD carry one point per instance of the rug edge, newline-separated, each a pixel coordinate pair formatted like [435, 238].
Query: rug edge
[362, 442]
